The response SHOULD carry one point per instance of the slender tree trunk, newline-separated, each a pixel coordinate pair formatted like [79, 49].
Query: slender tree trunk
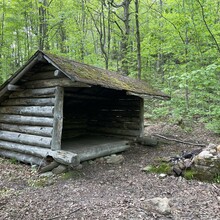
[138, 39]
[43, 26]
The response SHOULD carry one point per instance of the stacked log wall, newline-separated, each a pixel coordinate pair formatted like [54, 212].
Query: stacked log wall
[27, 115]
[118, 117]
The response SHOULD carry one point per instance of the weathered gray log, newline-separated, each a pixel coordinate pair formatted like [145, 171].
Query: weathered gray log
[34, 130]
[12, 87]
[22, 157]
[102, 150]
[25, 138]
[49, 167]
[26, 120]
[64, 157]
[147, 141]
[29, 101]
[34, 93]
[60, 169]
[112, 124]
[28, 110]
[114, 118]
[116, 131]
[58, 73]
[64, 82]
[43, 75]
[58, 119]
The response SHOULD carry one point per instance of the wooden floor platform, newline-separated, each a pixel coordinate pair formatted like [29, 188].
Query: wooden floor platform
[93, 146]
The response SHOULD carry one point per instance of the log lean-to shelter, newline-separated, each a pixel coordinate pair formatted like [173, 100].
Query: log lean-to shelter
[70, 111]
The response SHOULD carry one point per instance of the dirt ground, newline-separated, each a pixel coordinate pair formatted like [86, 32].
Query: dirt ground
[103, 191]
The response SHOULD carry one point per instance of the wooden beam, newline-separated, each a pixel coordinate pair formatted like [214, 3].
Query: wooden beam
[116, 131]
[43, 111]
[149, 96]
[58, 73]
[22, 138]
[26, 120]
[63, 82]
[46, 92]
[58, 119]
[64, 157]
[27, 129]
[22, 157]
[12, 87]
[29, 101]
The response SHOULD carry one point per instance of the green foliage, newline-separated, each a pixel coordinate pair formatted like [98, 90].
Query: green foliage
[160, 168]
[13, 161]
[179, 46]
[73, 174]
[189, 174]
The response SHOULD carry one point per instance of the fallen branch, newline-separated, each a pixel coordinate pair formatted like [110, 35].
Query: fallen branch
[179, 141]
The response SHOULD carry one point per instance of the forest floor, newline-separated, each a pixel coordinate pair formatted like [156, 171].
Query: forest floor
[103, 191]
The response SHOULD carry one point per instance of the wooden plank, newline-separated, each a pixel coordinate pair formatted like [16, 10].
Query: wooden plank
[34, 93]
[58, 119]
[22, 157]
[29, 101]
[25, 138]
[28, 110]
[116, 119]
[26, 120]
[60, 156]
[58, 73]
[116, 131]
[34, 130]
[114, 124]
[63, 82]
[12, 87]
[43, 75]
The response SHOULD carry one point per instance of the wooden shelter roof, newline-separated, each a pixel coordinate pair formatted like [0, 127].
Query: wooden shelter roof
[91, 75]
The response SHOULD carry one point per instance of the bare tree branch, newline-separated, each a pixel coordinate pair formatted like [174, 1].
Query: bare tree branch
[207, 27]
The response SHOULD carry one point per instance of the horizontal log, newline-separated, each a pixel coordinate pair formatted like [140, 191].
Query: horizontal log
[133, 133]
[102, 150]
[22, 157]
[12, 87]
[74, 126]
[114, 124]
[58, 73]
[34, 130]
[22, 138]
[29, 101]
[44, 75]
[47, 68]
[26, 120]
[28, 110]
[46, 92]
[60, 156]
[73, 133]
[63, 82]
[114, 118]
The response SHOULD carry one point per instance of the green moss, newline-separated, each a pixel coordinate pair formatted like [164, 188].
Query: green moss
[161, 168]
[73, 174]
[189, 174]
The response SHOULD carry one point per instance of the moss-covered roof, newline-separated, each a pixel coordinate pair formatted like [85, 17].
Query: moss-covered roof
[88, 74]
[96, 76]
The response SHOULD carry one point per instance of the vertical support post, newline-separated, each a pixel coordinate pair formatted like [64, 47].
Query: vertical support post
[58, 119]
[141, 116]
